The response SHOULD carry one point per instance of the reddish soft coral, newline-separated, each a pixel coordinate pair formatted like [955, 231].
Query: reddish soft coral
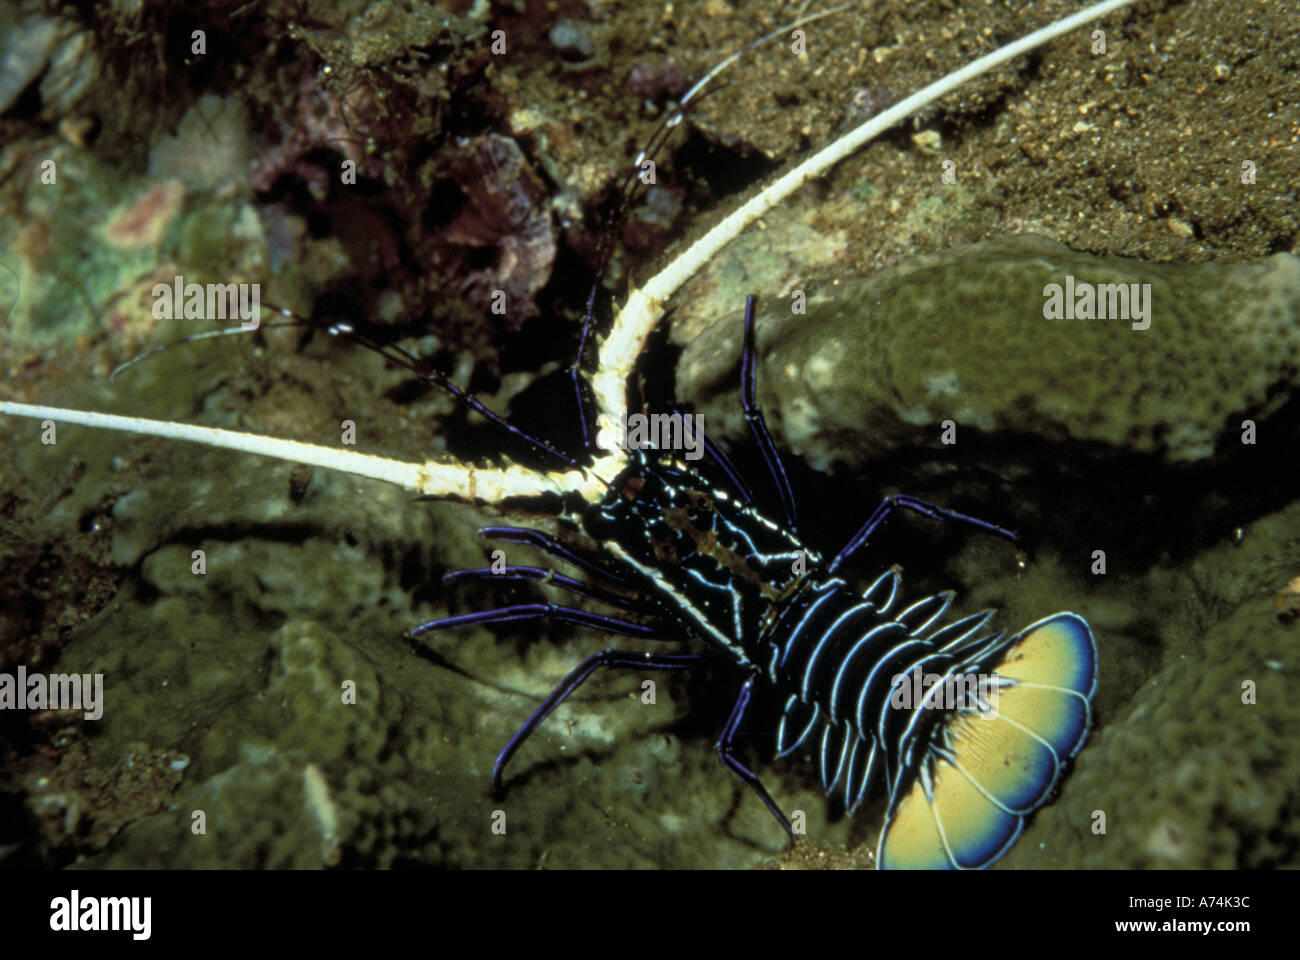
[321, 119]
[141, 224]
[504, 213]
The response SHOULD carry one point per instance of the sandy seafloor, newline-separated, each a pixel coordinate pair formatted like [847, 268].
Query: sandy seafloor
[477, 172]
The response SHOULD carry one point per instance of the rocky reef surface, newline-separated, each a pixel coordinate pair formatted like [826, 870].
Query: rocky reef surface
[270, 712]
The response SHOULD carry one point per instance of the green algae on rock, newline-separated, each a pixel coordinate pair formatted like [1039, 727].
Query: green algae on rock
[1194, 775]
[305, 777]
[50, 56]
[879, 363]
[1199, 768]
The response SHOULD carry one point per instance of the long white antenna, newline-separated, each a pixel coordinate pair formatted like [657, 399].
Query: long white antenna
[430, 478]
[618, 352]
[644, 307]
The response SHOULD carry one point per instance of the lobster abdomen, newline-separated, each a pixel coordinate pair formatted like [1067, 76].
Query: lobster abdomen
[961, 774]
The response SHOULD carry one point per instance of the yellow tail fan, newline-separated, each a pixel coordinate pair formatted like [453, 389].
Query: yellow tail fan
[984, 770]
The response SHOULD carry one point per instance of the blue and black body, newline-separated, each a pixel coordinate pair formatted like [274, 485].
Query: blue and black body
[685, 557]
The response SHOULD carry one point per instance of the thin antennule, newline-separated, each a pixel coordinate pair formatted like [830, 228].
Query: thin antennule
[407, 360]
[390, 352]
[195, 337]
[632, 183]
[403, 358]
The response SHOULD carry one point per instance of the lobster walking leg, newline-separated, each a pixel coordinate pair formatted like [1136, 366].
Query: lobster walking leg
[727, 467]
[905, 502]
[606, 658]
[727, 740]
[535, 538]
[719, 456]
[546, 575]
[754, 417]
[539, 611]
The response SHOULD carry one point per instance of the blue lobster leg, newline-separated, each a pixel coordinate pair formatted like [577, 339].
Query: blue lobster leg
[727, 740]
[754, 417]
[545, 575]
[535, 538]
[539, 611]
[575, 679]
[729, 468]
[724, 463]
[905, 502]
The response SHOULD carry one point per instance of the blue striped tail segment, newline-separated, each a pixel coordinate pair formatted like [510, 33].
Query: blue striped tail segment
[960, 780]
[840, 651]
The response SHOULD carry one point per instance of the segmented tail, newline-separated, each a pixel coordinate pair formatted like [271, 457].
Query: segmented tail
[982, 772]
